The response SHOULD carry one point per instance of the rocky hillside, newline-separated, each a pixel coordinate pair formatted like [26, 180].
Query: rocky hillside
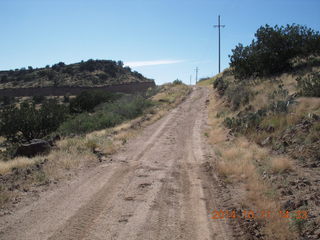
[88, 73]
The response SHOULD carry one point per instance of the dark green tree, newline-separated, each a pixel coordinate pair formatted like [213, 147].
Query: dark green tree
[28, 122]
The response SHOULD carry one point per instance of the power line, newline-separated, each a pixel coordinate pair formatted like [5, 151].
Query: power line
[219, 26]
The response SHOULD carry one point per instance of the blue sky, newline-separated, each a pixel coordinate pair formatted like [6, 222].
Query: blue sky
[162, 39]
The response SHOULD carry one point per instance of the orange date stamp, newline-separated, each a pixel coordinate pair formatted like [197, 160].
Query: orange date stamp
[262, 214]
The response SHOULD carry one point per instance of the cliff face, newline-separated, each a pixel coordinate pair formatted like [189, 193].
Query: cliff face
[92, 73]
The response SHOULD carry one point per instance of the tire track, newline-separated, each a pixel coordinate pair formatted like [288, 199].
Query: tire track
[154, 189]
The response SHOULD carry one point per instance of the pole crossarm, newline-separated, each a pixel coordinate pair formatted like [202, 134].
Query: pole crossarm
[219, 26]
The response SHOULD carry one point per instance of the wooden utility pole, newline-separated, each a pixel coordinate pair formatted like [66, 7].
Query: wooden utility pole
[197, 69]
[219, 26]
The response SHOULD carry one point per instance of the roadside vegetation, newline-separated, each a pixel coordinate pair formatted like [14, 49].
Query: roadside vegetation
[265, 118]
[87, 137]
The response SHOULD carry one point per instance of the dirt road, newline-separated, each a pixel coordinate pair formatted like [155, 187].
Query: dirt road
[156, 188]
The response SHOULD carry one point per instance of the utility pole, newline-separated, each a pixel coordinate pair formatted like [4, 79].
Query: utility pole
[197, 69]
[190, 79]
[219, 26]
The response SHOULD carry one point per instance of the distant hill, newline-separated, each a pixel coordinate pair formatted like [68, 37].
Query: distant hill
[91, 73]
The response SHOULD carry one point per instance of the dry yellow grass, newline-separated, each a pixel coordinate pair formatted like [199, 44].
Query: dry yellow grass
[172, 93]
[218, 135]
[261, 101]
[262, 91]
[307, 105]
[59, 161]
[236, 162]
[20, 162]
[210, 81]
[289, 82]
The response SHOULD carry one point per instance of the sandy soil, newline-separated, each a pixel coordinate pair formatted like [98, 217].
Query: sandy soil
[157, 187]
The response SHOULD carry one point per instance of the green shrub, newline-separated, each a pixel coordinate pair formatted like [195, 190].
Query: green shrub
[221, 85]
[238, 95]
[279, 106]
[244, 122]
[177, 81]
[310, 85]
[280, 100]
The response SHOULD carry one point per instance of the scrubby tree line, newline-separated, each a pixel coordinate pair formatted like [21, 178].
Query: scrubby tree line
[273, 49]
[89, 111]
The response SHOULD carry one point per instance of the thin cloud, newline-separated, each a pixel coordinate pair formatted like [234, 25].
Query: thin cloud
[151, 63]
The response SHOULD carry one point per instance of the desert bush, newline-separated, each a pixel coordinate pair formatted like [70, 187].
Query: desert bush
[310, 85]
[238, 95]
[279, 106]
[245, 122]
[221, 85]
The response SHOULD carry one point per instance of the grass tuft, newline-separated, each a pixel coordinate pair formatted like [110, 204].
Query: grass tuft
[281, 164]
